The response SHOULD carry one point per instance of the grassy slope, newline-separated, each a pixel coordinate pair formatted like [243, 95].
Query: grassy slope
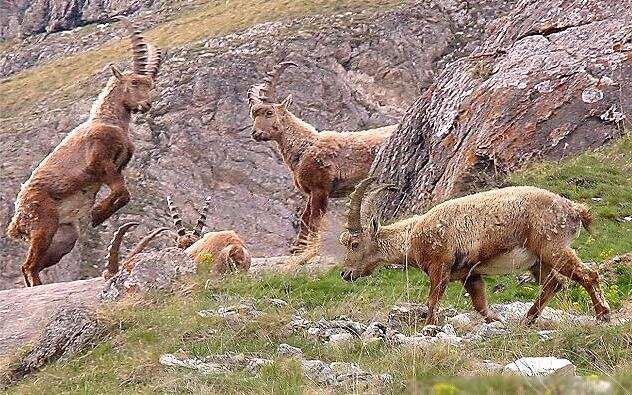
[20, 93]
[127, 360]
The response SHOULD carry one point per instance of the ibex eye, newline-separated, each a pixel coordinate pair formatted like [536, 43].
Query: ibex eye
[354, 245]
[269, 114]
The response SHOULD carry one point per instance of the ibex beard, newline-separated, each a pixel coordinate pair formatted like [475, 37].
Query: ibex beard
[496, 232]
[57, 200]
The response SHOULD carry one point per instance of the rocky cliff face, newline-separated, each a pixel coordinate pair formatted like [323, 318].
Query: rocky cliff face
[552, 79]
[357, 71]
[23, 18]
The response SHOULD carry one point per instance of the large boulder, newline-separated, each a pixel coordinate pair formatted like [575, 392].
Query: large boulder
[553, 78]
[158, 270]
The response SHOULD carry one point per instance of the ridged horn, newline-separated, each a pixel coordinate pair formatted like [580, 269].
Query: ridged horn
[139, 47]
[266, 92]
[369, 203]
[115, 247]
[201, 222]
[155, 60]
[272, 78]
[254, 95]
[175, 216]
[354, 225]
[138, 248]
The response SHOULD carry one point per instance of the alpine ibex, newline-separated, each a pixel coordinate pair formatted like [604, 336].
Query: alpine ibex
[228, 251]
[113, 265]
[323, 165]
[52, 204]
[488, 233]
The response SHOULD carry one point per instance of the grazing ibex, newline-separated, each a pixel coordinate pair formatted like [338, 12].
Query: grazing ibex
[52, 204]
[228, 251]
[114, 248]
[323, 165]
[488, 233]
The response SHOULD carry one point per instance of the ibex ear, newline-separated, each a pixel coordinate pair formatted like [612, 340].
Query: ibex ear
[375, 226]
[116, 72]
[287, 102]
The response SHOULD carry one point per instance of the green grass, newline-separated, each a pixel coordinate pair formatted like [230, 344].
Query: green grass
[20, 92]
[603, 180]
[127, 361]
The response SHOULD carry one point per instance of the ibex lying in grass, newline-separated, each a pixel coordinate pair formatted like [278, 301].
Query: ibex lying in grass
[495, 232]
[60, 194]
[326, 164]
[113, 265]
[228, 251]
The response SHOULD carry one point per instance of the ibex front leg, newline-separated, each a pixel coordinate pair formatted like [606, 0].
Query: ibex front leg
[119, 196]
[303, 228]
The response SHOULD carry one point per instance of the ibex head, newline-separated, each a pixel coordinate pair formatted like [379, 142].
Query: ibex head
[361, 236]
[137, 86]
[265, 111]
[184, 239]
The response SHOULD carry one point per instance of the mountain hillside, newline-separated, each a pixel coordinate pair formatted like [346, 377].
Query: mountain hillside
[362, 65]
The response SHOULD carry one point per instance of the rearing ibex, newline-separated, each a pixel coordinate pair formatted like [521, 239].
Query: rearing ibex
[60, 194]
[324, 164]
[488, 233]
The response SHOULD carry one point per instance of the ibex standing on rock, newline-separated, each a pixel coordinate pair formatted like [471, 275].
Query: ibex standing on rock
[326, 164]
[61, 192]
[228, 251]
[495, 232]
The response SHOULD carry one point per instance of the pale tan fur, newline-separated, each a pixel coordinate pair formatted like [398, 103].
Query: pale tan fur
[226, 249]
[495, 232]
[324, 165]
[59, 197]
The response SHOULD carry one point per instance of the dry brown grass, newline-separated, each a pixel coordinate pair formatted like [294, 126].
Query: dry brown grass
[20, 93]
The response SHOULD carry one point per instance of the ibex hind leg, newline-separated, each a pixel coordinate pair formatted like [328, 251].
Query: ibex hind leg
[566, 262]
[39, 243]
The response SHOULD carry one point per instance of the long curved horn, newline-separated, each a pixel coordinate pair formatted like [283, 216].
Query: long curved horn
[155, 60]
[138, 248]
[254, 95]
[354, 224]
[177, 221]
[139, 48]
[201, 222]
[268, 90]
[369, 203]
[115, 247]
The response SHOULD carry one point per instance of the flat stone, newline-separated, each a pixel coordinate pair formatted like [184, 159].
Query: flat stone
[285, 350]
[541, 366]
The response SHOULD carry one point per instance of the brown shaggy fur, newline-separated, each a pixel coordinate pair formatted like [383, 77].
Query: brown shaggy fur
[489, 233]
[326, 164]
[54, 203]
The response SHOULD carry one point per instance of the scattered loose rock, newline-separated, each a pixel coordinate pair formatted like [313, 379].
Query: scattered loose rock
[221, 363]
[285, 350]
[341, 340]
[341, 374]
[541, 366]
